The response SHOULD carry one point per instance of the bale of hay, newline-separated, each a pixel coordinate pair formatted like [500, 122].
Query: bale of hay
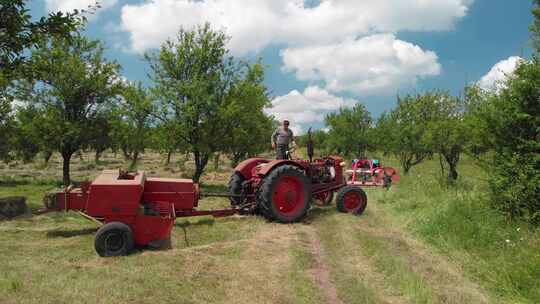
[11, 207]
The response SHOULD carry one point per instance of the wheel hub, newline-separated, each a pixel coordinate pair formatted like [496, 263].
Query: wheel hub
[288, 195]
[352, 201]
[114, 241]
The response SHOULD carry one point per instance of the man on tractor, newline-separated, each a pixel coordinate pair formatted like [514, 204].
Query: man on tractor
[281, 138]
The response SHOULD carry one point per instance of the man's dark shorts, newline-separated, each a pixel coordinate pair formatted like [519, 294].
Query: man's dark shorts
[281, 151]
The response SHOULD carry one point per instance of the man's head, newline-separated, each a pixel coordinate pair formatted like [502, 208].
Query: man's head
[285, 124]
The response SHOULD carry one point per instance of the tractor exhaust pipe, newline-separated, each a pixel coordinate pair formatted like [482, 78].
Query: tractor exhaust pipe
[310, 148]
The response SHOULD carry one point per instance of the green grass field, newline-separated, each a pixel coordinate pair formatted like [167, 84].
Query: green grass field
[419, 242]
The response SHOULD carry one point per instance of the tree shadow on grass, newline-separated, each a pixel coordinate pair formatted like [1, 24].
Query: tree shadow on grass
[70, 233]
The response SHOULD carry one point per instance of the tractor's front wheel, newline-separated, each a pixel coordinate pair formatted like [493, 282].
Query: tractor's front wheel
[351, 199]
[285, 194]
[114, 239]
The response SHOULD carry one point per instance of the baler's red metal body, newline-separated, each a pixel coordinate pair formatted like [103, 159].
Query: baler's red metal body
[149, 206]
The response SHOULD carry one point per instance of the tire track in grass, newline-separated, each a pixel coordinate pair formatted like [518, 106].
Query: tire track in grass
[355, 278]
[320, 271]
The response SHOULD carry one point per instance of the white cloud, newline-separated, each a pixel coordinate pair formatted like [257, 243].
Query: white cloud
[70, 5]
[372, 65]
[255, 24]
[495, 78]
[304, 109]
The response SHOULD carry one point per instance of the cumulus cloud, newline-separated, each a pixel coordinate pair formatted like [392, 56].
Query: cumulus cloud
[372, 65]
[70, 5]
[307, 108]
[495, 78]
[255, 24]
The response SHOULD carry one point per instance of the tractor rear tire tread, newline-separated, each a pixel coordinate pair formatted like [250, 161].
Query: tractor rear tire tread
[265, 194]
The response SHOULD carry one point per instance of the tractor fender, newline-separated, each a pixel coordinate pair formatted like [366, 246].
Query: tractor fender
[246, 166]
[278, 163]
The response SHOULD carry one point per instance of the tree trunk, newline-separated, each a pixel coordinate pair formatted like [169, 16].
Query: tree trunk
[201, 160]
[452, 159]
[216, 162]
[47, 156]
[97, 156]
[452, 172]
[134, 160]
[66, 156]
[237, 157]
[168, 161]
[126, 153]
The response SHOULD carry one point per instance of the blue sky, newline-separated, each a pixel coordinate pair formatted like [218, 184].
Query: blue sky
[322, 55]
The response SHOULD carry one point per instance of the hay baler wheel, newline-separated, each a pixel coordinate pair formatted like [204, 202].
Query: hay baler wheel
[285, 194]
[351, 199]
[235, 187]
[114, 239]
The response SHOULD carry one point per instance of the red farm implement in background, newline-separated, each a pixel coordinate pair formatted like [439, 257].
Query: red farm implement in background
[139, 210]
[370, 173]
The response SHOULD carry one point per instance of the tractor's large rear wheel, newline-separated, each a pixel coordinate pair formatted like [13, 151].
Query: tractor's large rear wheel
[114, 239]
[285, 194]
[351, 199]
[235, 187]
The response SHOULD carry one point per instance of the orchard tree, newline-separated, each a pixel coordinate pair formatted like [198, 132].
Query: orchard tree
[447, 132]
[136, 110]
[72, 86]
[193, 76]
[19, 32]
[25, 144]
[350, 130]
[402, 130]
[6, 125]
[103, 132]
[163, 138]
[246, 128]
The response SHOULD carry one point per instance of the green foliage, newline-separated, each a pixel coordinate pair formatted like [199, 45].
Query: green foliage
[195, 82]
[402, 131]
[446, 133]
[25, 144]
[134, 118]
[71, 98]
[512, 118]
[500, 255]
[350, 130]
[246, 128]
[535, 27]
[18, 33]
[5, 128]
[320, 140]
